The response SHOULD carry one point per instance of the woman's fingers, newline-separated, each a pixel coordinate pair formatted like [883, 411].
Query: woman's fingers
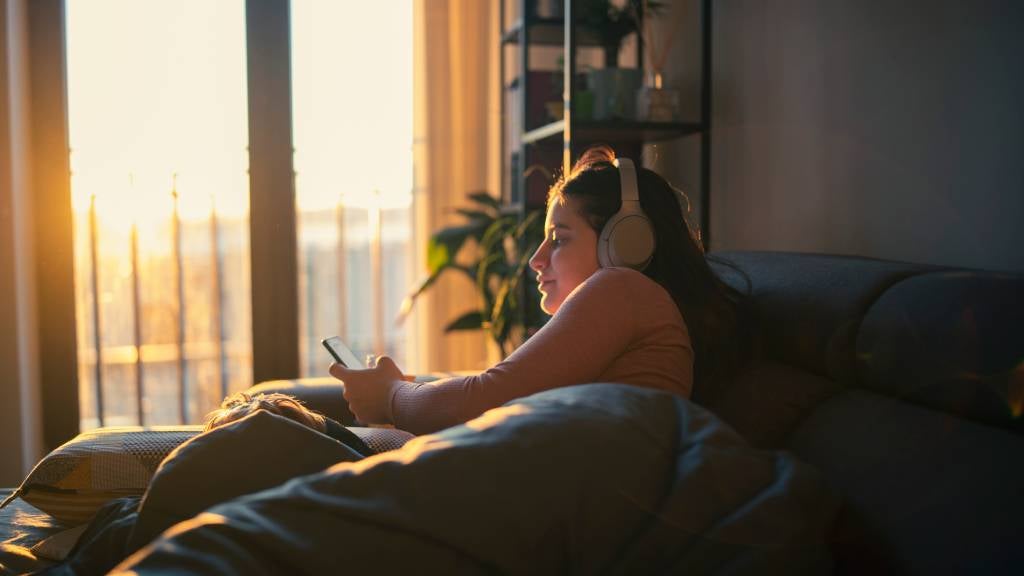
[368, 391]
[339, 371]
[388, 368]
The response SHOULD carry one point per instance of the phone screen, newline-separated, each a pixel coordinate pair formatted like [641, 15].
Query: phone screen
[341, 353]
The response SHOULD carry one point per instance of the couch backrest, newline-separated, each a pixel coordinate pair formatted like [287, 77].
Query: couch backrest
[952, 341]
[904, 384]
[808, 307]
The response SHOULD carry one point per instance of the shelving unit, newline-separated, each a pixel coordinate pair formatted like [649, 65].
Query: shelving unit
[533, 142]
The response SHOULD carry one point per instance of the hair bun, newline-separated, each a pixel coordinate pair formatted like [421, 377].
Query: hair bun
[594, 155]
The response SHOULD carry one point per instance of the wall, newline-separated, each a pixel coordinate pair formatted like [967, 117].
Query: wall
[883, 129]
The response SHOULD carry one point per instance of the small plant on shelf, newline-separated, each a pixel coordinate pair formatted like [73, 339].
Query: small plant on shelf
[501, 241]
[613, 21]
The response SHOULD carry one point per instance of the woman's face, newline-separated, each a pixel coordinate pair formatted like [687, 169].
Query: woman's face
[566, 257]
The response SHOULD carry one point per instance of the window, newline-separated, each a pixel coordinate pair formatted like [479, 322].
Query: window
[159, 139]
[158, 135]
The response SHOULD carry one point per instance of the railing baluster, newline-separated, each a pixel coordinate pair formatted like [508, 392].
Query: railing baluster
[342, 276]
[377, 276]
[180, 280]
[218, 300]
[137, 324]
[97, 334]
[306, 283]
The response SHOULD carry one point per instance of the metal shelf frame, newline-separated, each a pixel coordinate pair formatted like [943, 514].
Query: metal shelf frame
[529, 30]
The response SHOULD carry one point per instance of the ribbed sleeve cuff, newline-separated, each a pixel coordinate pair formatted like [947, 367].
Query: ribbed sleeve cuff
[401, 395]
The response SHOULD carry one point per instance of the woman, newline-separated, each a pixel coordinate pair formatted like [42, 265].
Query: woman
[668, 327]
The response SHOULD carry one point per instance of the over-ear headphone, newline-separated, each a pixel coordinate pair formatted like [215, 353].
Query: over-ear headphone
[627, 239]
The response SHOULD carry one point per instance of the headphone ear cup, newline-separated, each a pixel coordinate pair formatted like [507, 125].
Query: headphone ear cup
[627, 240]
[604, 257]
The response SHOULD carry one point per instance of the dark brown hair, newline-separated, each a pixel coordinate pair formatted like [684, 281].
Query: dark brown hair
[708, 305]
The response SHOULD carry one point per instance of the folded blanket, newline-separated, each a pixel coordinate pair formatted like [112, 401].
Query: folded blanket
[600, 478]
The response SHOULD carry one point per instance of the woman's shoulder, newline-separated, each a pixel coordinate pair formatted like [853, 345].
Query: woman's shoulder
[625, 279]
[621, 283]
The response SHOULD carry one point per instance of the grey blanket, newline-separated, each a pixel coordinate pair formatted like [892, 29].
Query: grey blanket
[594, 479]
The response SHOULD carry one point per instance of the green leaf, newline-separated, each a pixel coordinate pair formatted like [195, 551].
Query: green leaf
[483, 274]
[483, 198]
[446, 243]
[506, 299]
[509, 211]
[475, 215]
[410, 299]
[469, 321]
[439, 256]
[530, 225]
[469, 271]
[495, 233]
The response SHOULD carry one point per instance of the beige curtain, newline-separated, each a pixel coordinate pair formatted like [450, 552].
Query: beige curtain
[20, 411]
[456, 150]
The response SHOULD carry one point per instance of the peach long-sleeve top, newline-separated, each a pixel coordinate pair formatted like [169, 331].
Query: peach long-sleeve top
[617, 326]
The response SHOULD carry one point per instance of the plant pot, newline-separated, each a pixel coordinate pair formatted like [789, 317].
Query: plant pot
[615, 92]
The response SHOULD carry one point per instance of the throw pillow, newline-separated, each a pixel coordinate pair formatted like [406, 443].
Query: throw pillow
[254, 453]
[76, 479]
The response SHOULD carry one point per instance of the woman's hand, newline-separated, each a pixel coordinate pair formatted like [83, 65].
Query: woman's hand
[368, 391]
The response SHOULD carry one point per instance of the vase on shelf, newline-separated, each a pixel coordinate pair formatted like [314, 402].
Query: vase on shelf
[657, 103]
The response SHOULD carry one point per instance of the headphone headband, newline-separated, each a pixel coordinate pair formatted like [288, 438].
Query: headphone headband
[627, 180]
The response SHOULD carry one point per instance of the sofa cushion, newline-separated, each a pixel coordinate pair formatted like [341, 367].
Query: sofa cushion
[953, 341]
[808, 307]
[766, 403]
[926, 492]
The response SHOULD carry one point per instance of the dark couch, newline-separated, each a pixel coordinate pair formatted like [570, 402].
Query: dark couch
[903, 383]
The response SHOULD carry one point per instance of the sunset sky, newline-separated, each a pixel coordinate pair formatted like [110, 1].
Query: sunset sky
[157, 88]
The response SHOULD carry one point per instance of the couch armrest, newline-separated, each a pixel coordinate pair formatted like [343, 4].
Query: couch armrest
[321, 394]
[324, 394]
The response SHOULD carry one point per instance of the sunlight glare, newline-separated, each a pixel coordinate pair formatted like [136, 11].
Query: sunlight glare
[162, 97]
[352, 107]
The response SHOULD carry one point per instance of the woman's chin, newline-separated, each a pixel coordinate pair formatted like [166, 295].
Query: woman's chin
[549, 304]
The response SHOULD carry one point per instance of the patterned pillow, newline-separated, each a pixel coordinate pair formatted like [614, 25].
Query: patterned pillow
[382, 439]
[76, 479]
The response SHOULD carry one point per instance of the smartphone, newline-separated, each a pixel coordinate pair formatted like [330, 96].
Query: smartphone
[341, 353]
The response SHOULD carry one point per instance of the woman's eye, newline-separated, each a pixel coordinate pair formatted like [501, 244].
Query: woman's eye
[556, 241]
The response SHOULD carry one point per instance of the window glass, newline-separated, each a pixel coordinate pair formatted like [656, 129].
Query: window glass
[158, 135]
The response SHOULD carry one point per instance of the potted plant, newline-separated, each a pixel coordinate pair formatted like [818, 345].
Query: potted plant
[502, 242]
[612, 21]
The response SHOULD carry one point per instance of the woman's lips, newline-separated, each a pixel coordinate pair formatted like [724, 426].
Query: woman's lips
[545, 283]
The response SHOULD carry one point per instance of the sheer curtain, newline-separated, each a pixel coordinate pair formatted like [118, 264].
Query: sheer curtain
[456, 150]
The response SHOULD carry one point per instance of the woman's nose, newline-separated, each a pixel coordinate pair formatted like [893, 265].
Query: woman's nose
[539, 259]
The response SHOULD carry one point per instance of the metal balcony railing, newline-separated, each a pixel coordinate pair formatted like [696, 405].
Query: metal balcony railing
[144, 362]
[157, 359]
